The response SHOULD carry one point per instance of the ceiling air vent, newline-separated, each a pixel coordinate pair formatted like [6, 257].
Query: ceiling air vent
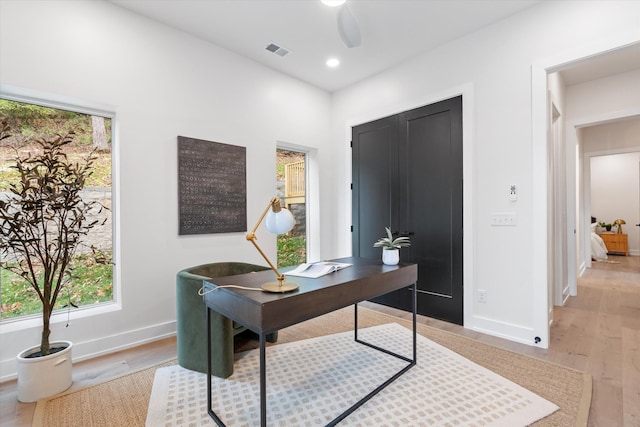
[278, 50]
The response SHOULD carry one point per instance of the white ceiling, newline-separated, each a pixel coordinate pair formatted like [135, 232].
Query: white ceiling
[392, 32]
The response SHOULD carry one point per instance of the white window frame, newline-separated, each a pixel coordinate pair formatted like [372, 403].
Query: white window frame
[28, 96]
[312, 196]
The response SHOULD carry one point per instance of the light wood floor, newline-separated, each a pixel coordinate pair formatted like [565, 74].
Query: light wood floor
[596, 332]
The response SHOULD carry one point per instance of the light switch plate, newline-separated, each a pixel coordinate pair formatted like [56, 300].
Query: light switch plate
[503, 219]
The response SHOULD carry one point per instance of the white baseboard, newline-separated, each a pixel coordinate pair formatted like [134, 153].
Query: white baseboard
[508, 331]
[582, 269]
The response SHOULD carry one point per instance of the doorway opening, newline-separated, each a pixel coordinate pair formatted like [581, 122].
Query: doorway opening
[614, 194]
[291, 190]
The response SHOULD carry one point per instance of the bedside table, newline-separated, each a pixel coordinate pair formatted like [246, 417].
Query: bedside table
[616, 242]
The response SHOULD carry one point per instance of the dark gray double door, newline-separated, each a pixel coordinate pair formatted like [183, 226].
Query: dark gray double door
[407, 174]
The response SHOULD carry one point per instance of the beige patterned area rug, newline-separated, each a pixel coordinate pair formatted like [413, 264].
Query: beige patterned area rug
[312, 381]
[123, 400]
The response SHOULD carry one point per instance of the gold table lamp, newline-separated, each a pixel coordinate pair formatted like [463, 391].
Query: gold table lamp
[619, 223]
[278, 220]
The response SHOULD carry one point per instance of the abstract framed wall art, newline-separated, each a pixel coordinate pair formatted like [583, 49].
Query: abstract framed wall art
[212, 187]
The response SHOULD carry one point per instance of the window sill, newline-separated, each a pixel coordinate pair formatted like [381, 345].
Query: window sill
[33, 321]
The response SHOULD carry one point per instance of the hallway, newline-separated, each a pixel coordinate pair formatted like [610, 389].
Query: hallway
[598, 332]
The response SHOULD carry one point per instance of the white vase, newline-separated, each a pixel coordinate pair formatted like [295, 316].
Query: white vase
[390, 256]
[41, 377]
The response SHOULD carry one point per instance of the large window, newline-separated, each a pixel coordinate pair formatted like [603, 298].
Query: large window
[92, 279]
[291, 188]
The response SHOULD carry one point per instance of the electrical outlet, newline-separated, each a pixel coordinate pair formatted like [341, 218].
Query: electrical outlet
[482, 295]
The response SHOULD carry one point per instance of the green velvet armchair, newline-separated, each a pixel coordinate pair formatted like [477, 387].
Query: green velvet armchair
[191, 320]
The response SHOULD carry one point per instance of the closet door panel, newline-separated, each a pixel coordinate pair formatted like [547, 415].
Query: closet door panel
[433, 155]
[375, 184]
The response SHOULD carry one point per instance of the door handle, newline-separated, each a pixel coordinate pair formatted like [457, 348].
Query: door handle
[403, 233]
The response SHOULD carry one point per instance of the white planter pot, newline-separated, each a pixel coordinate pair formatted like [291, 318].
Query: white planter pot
[390, 256]
[42, 377]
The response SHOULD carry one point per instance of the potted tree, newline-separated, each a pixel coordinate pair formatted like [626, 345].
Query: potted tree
[42, 224]
[390, 247]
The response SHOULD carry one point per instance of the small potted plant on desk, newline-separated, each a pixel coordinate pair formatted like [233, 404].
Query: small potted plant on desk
[391, 247]
[43, 220]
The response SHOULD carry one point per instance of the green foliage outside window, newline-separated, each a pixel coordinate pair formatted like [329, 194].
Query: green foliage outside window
[91, 282]
[292, 250]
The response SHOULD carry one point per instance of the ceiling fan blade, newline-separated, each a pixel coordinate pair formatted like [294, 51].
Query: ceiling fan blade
[348, 27]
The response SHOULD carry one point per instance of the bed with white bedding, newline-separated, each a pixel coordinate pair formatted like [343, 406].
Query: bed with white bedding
[598, 248]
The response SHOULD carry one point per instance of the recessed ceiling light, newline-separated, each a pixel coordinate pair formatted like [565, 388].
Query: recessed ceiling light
[333, 3]
[333, 62]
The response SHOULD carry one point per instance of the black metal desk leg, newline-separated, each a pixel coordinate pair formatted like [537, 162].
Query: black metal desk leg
[355, 321]
[212, 414]
[208, 359]
[415, 310]
[263, 381]
[410, 362]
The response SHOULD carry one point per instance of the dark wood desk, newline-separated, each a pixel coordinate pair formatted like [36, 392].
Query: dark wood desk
[264, 312]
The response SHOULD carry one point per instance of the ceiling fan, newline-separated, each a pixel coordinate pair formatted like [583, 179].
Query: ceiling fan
[347, 25]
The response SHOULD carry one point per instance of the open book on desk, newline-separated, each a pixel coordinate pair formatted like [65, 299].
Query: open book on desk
[316, 269]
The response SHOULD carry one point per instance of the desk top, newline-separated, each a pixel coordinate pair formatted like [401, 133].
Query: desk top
[264, 312]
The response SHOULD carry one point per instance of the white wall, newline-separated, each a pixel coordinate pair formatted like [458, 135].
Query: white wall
[600, 104]
[160, 83]
[496, 63]
[605, 99]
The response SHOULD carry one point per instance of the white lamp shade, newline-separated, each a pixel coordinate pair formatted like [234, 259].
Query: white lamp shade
[279, 222]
